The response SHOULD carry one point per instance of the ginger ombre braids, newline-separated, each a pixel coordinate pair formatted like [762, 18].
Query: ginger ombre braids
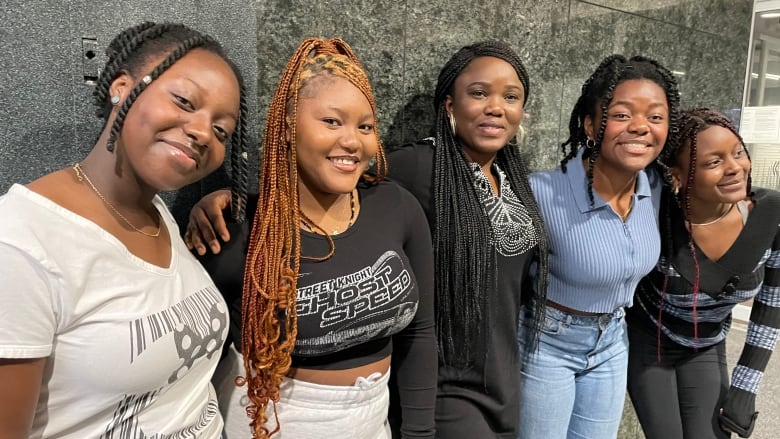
[269, 317]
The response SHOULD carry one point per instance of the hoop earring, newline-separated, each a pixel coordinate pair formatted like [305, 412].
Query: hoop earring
[520, 136]
[452, 123]
[590, 143]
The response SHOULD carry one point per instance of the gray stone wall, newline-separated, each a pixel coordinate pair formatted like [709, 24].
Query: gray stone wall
[47, 118]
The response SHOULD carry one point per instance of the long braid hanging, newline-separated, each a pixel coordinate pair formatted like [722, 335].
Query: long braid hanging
[239, 164]
[517, 173]
[269, 318]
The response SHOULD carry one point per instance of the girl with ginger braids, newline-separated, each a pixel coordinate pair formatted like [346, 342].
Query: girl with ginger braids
[720, 247]
[337, 274]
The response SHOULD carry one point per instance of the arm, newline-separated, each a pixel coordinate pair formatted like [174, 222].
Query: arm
[739, 413]
[20, 383]
[414, 349]
[206, 222]
[27, 327]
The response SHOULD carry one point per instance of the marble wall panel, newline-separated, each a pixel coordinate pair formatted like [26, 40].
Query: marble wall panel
[47, 118]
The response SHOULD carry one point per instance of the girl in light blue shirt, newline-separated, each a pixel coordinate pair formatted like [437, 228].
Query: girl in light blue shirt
[602, 222]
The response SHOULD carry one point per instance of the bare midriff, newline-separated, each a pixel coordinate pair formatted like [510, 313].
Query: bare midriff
[343, 377]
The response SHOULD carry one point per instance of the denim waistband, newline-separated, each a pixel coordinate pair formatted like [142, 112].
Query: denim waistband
[576, 319]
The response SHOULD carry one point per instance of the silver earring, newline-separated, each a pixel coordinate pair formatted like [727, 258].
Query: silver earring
[590, 143]
[452, 123]
[114, 100]
[520, 136]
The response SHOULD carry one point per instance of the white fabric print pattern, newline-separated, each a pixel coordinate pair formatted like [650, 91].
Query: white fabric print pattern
[513, 230]
[130, 347]
[372, 302]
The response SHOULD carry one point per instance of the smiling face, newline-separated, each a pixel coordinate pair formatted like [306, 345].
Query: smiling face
[176, 131]
[637, 126]
[721, 170]
[487, 104]
[334, 134]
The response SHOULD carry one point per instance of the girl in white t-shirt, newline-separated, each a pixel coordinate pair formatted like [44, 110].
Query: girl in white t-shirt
[108, 326]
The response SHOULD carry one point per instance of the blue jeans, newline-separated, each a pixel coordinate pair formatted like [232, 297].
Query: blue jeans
[574, 384]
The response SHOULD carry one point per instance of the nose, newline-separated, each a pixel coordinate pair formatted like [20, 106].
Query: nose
[638, 125]
[494, 105]
[198, 129]
[732, 165]
[350, 139]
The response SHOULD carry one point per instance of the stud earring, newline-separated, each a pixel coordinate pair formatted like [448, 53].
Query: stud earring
[114, 100]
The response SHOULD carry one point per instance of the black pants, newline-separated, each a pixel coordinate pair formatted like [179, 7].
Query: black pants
[679, 398]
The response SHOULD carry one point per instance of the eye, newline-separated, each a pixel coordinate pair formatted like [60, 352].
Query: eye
[657, 118]
[619, 116]
[478, 93]
[330, 121]
[512, 98]
[366, 128]
[221, 133]
[712, 163]
[740, 153]
[183, 102]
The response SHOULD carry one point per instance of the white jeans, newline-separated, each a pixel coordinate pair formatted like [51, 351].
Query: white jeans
[307, 410]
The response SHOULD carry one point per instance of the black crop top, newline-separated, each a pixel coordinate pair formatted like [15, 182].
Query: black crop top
[374, 296]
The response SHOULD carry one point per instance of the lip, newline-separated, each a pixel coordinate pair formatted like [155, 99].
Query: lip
[344, 163]
[491, 128]
[187, 149]
[732, 184]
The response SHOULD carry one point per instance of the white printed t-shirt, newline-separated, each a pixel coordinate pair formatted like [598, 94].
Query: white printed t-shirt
[130, 346]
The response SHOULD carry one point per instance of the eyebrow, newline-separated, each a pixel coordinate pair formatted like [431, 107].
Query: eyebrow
[487, 84]
[630, 104]
[343, 112]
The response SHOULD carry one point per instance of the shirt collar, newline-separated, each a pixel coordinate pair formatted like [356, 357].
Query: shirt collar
[578, 182]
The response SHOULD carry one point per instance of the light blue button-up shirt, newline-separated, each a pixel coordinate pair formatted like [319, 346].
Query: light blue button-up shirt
[596, 259]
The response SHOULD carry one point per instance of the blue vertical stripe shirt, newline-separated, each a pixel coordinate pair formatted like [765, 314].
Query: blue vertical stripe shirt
[596, 259]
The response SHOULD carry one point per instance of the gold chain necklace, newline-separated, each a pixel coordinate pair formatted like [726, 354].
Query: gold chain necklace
[81, 175]
[310, 226]
[723, 215]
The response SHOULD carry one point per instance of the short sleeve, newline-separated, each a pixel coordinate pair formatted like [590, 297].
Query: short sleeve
[27, 312]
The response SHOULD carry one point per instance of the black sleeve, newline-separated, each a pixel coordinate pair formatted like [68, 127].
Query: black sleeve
[414, 361]
[227, 268]
[411, 166]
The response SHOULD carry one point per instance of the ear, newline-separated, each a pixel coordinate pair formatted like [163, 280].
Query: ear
[448, 104]
[287, 129]
[676, 174]
[121, 86]
[588, 126]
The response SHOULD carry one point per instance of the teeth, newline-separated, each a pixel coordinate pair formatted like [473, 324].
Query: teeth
[634, 145]
[343, 161]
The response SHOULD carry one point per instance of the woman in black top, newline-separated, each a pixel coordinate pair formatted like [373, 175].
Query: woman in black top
[486, 229]
[333, 282]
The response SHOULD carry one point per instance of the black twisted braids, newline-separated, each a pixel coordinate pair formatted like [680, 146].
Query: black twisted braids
[465, 259]
[692, 123]
[133, 49]
[597, 93]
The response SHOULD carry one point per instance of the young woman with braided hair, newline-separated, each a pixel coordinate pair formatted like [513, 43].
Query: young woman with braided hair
[720, 247]
[107, 322]
[473, 185]
[601, 216]
[337, 279]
